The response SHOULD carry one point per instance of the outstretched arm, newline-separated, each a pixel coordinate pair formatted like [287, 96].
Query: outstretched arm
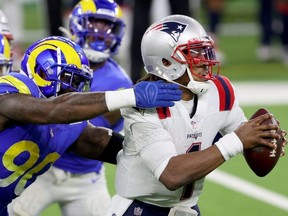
[67, 108]
[72, 107]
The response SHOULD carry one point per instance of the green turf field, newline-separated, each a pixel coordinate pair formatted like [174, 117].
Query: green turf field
[241, 65]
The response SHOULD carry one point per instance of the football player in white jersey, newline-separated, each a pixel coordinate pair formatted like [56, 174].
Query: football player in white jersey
[167, 152]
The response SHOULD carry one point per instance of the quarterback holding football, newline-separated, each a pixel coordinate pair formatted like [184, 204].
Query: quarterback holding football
[167, 152]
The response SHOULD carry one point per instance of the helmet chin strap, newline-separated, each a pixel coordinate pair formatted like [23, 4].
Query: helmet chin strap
[96, 56]
[194, 86]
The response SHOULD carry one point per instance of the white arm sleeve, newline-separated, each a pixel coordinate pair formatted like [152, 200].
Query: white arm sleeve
[120, 99]
[155, 146]
[235, 118]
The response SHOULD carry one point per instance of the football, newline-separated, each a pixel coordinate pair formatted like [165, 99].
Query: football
[262, 159]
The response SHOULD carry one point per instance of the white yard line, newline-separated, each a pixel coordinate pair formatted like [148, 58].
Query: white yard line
[262, 93]
[249, 189]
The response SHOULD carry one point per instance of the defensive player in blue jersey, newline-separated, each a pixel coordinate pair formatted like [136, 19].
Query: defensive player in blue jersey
[42, 114]
[78, 184]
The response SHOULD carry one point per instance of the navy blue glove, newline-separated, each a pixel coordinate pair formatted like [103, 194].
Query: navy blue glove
[156, 94]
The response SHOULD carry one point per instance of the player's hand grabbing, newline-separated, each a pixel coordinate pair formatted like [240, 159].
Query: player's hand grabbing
[156, 94]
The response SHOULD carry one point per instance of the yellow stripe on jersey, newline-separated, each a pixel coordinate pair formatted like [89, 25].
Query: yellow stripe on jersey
[21, 86]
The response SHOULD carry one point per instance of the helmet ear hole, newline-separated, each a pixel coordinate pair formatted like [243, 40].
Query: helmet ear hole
[42, 74]
[38, 70]
[166, 63]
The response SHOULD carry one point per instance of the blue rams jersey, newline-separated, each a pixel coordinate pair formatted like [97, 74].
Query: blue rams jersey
[28, 150]
[109, 77]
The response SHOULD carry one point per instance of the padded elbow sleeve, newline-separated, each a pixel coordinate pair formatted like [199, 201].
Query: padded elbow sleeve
[109, 154]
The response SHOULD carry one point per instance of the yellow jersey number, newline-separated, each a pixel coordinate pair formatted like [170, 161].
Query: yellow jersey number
[18, 170]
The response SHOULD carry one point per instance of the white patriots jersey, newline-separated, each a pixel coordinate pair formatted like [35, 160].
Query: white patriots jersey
[153, 136]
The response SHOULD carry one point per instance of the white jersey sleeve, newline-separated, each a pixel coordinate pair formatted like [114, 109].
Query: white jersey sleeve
[154, 144]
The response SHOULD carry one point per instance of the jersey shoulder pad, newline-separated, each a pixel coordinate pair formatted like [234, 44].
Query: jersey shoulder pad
[121, 73]
[15, 82]
[225, 91]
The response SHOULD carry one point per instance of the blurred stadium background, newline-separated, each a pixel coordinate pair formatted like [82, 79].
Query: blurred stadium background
[233, 189]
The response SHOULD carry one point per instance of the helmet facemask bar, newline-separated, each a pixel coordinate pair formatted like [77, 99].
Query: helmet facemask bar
[5, 66]
[198, 54]
[69, 77]
[74, 79]
[5, 55]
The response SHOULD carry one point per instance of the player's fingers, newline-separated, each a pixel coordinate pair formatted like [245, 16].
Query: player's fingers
[283, 133]
[268, 127]
[262, 118]
[270, 143]
[283, 136]
[164, 103]
[269, 134]
[167, 92]
[170, 95]
[164, 85]
[282, 152]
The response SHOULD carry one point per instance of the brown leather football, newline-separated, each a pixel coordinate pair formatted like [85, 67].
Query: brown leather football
[262, 159]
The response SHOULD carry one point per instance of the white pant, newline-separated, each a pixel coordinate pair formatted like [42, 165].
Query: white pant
[118, 205]
[85, 195]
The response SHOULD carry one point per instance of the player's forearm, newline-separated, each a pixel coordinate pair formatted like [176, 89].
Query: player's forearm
[77, 107]
[67, 108]
[73, 107]
[188, 168]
